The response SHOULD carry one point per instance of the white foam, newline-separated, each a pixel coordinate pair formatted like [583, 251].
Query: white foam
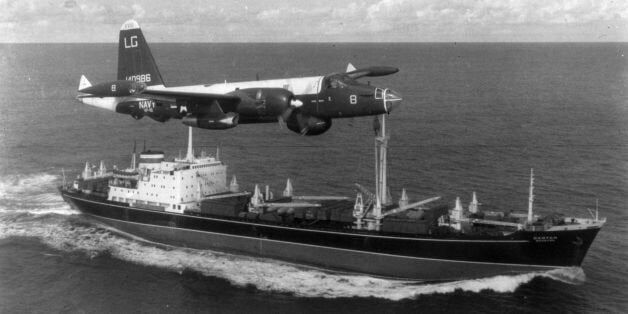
[19, 184]
[569, 275]
[34, 194]
[65, 210]
[275, 276]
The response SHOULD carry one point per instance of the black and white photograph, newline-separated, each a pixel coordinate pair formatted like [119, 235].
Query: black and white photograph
[376, 156]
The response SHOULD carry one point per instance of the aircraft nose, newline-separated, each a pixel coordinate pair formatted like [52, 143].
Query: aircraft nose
[392, 99]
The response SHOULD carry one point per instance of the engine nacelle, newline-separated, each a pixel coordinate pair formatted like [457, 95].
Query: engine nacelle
[308, 125]
[131, 108]
[115, 89]
[140, 107]
[263, 101]
[224, 121]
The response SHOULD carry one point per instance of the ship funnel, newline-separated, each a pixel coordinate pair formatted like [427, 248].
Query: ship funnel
[358, 208]
[358, 211]
[456, 213]
[257, 198]
[473, 206]
[233, 186]
[403, 201]
[458, 204]
[102, 170]
[87, 171]
[288, 192]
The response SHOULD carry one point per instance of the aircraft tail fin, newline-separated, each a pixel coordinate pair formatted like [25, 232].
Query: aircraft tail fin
[84, 83]
[135, 61]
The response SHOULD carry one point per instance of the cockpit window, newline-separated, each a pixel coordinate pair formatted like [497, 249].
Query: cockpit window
[349, 81]
[340, 82]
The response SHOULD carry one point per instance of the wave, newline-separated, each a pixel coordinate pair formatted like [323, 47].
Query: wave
[34, 194]
[72, 234]
[36, 211]
[19, 184]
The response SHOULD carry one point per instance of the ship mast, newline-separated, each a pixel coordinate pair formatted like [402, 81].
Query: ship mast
[383, 156]
[531, 197]
[381, 148]
[190, 155]
[133, 162]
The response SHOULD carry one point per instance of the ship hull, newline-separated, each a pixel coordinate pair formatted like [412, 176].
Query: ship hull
[418, 258]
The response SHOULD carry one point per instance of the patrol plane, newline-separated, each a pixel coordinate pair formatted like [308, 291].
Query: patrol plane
[306, 105]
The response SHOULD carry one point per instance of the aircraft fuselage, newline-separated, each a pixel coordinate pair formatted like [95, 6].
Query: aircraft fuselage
[322, 96]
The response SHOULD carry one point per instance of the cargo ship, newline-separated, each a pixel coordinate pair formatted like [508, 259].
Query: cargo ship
[189, 202]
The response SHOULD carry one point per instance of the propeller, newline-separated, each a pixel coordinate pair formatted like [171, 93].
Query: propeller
[281, 104]
[376, 125]
[285, 115]
[302, 121]
[260, 102]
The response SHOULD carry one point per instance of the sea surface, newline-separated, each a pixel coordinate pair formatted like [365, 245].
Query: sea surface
[475, 117]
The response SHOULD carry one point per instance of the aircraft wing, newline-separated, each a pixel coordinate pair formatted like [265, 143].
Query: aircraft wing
[203, 101]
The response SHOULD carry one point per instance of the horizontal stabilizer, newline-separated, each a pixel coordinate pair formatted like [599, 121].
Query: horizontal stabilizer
[84, 83]
[350, 68]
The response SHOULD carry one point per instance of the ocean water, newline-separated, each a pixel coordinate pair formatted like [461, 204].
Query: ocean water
[475, 117]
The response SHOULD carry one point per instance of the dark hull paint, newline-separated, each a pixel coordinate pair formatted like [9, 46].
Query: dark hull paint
[424, 258]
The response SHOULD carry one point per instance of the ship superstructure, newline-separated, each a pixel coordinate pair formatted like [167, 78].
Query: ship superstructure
[172, 185]
[187, 201]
